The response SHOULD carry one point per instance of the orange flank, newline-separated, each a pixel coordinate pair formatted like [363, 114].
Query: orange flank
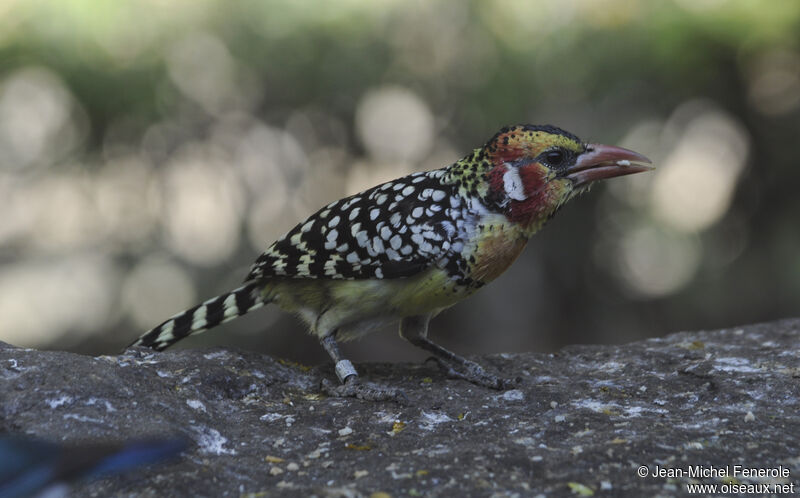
[496, 251]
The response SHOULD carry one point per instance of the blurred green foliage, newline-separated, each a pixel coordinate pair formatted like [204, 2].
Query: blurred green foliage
[132, 133]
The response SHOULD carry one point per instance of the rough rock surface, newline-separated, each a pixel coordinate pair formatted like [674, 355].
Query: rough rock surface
[581, 422]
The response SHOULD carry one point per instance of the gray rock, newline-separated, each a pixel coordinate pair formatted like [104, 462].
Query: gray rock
[582, 421]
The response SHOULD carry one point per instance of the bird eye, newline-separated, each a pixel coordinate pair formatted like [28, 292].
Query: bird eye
[554, 158]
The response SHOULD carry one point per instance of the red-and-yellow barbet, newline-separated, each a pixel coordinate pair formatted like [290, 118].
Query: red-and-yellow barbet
[405, 250]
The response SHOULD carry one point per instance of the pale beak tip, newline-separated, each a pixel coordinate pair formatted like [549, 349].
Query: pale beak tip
[626, 163]
[638, 158]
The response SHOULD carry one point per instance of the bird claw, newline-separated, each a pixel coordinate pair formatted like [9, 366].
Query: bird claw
[472, 372]
[354, 388]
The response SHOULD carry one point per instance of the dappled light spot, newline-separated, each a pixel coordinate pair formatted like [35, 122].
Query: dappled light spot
[655, 263]
[63, 215]
[65, 299]
[127, 200]
[268, 218]
[265, 157]
[694, 186]
[203, 69]
[774, 82]
[39, 119]
[156, 289]
[393, 123]
[203, 202]
[653, 223]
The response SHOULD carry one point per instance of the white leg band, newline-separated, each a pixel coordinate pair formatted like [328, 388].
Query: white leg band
[345, 369]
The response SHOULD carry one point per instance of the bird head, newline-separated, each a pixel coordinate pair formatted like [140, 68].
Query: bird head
[527, 172]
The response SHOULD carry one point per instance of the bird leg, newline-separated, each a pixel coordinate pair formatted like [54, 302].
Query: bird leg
[415, 330]
[351, 386]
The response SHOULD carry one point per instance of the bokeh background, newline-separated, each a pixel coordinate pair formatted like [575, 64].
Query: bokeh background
[149, 150]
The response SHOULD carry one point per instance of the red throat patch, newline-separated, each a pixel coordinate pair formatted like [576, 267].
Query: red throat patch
[537, 202]
[495, 176]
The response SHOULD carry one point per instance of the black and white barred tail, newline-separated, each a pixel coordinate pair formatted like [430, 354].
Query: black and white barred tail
[204, 316]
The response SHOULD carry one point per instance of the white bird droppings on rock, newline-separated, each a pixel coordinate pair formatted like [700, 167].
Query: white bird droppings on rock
[513, 395]
[196, 404]
[211, 441]
[56, 402]
[429, 420]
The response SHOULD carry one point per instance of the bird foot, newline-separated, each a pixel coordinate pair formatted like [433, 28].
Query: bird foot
[354, 388]
[472, 372]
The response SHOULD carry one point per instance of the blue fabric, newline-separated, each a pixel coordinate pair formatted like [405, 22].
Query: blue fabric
[29, 465]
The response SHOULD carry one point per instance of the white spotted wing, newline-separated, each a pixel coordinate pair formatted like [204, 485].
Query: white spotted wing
[394, 230]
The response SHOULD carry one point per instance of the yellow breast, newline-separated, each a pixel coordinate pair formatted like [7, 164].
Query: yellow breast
[497, 246]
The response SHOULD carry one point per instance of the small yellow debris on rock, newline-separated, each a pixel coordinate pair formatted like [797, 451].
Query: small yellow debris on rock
[580, 489]
[357, 447]
[289, 363]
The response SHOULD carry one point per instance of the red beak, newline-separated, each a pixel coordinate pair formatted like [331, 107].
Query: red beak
[606, 161]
